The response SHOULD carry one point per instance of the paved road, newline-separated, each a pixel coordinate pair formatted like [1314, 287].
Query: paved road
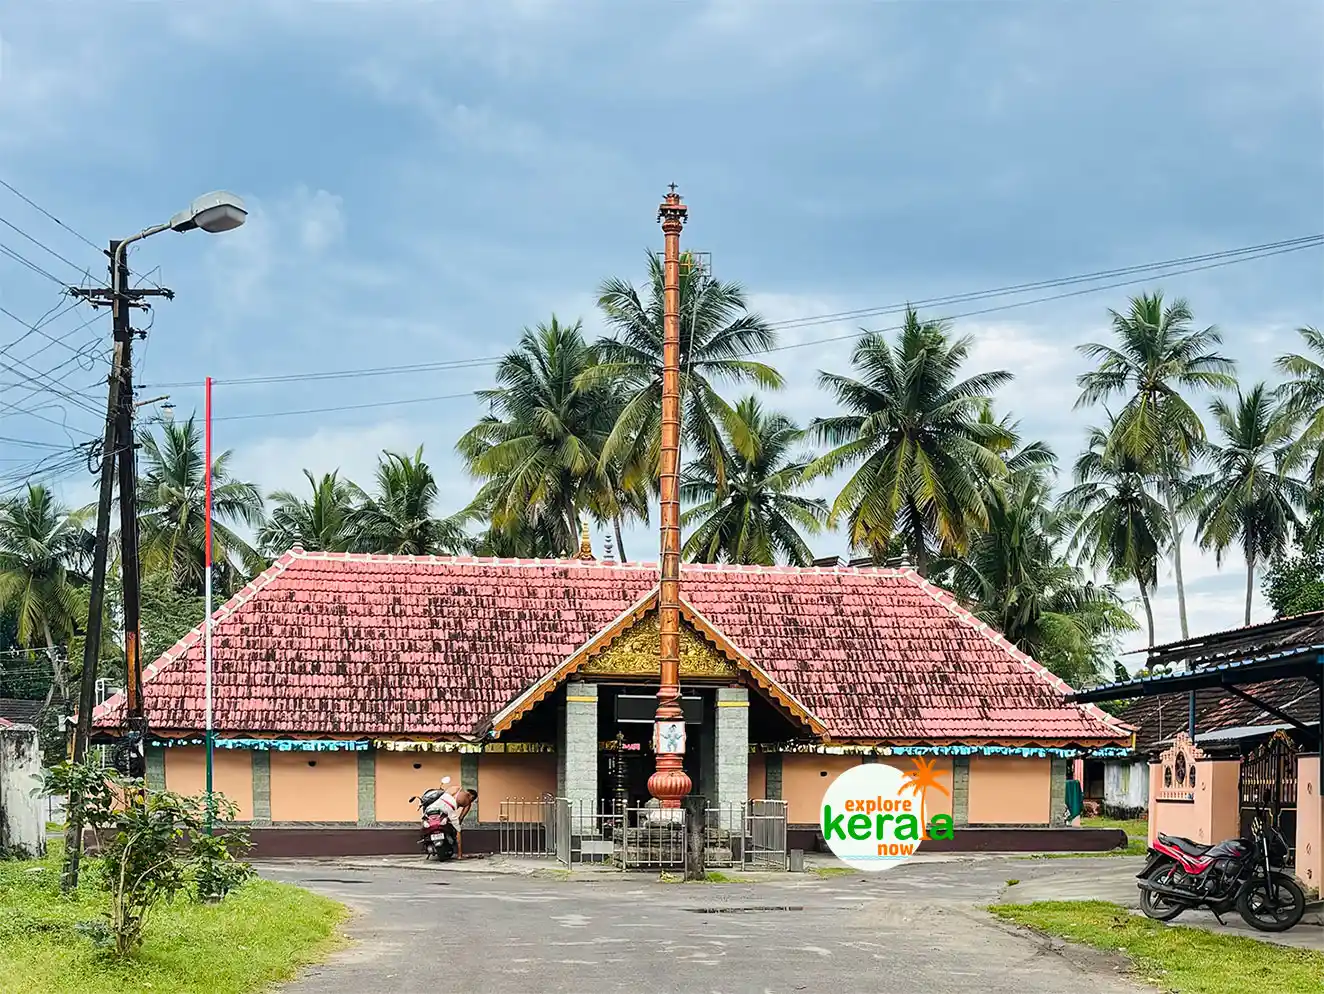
[913, 930]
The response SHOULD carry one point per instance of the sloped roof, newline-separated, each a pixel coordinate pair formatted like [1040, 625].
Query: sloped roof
[335, 643]
[1298, 632]
[1158, 718]
[6, 723]
[21, 711]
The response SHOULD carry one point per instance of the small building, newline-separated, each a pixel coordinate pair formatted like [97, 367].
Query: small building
[1258, 715]
[22, 813]
[345, 684]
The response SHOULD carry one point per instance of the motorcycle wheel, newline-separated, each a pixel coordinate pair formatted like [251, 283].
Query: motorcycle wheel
[1157, 906]
[1290, 901]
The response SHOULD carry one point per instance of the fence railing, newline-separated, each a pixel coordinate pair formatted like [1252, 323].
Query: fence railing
[573, 831]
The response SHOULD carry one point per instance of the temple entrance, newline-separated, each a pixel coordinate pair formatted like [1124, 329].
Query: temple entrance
[625, 733]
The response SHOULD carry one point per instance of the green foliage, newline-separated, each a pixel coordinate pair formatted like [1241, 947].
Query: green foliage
[321, 524]
[258, 936]
[757, 517]
[914, 432]
[172, 512]
[218, 869]
[167, 614]
[1295, 584]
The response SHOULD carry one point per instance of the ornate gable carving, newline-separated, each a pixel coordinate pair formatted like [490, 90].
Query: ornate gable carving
[634, 652]
[1178, 765]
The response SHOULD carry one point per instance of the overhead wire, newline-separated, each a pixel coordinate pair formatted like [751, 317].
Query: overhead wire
[1152, 270]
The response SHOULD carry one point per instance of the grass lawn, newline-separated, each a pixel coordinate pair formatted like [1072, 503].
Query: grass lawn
[260, 934]
[1174, 958]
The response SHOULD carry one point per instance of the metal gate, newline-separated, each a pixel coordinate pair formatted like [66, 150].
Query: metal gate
[765, 835]
[1269, 781]
[527, 827]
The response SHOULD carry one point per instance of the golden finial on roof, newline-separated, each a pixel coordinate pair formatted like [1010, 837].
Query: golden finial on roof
[585, 542]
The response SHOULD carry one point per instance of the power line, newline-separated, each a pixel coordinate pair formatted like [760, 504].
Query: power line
[44, 247]
[1152, 270]
[1225, 261]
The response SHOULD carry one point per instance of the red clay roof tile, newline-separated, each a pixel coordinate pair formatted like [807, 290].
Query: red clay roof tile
[377, 645]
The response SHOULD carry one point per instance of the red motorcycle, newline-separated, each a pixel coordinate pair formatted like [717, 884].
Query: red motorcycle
[1246, 874]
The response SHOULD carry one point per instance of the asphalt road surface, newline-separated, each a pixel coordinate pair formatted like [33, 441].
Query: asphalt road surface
[916, 929]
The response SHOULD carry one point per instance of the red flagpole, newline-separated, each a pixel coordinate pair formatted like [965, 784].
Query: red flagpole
[207, 589]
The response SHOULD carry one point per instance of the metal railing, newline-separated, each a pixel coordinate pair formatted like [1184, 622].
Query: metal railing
[573, 831]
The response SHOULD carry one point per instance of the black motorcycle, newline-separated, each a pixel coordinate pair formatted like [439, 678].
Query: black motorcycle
[438, 838]
[1246, 874]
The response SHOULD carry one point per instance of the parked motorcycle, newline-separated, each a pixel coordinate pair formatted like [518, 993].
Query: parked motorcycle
[1246, 874]
[438, 834]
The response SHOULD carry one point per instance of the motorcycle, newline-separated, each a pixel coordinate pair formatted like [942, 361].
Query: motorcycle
[438, 834]
[1246, 874]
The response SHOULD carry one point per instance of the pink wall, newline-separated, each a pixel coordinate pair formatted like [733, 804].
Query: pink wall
[1215, 813]
[520, 776]
[402, 775]
[314, 786]
[232, 774]
[805, 779]
[1010, 790]
[1309, 823]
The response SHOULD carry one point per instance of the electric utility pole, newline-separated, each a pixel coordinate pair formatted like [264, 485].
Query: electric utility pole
[118, 448]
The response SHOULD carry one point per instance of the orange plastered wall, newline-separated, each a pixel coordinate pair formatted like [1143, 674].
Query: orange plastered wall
[402, 775]
[1309, 823]
[1010, 790]
[935, 801]
[232, 774]
[513, 776]
[314, 786]
[805, 779]
[758, 776]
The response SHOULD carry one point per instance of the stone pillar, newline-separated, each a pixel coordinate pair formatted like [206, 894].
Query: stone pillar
[469, 772]
[560, 750]
[772, 775]
[367, 787]
[960, 791]
[732, 754]
[1057, 800]
[581, 754]
[156, 762]
[261, 787]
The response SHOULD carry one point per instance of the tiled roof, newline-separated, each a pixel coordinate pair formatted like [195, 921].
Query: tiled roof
[351, 644]
[6, 723]
[1160, 717]
[21, 711]
[1301, 631]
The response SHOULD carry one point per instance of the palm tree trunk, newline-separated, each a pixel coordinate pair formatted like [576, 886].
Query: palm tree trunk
[620, 542]
[1250, 584]
[1176, 555]
[918, 552]
[59, 677]
[1149, 610]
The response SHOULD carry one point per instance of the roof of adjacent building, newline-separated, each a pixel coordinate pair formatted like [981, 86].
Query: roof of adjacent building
[1157, 719]
[6, 723]
[337, 643]
[20, 711]
[1301, 632]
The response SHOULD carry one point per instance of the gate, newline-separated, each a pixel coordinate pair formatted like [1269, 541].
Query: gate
[527, 828]
[765, 835]
[1269, 780]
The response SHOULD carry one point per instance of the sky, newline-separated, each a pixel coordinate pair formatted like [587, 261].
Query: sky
[425, 180]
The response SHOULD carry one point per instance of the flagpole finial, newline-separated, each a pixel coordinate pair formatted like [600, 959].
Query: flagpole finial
[585, 541]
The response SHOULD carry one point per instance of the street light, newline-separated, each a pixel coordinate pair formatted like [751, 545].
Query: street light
[214, 212]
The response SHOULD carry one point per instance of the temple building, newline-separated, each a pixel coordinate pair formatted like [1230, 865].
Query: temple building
[344, 684]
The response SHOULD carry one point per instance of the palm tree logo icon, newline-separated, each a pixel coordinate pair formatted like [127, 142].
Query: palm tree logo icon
[919, 781]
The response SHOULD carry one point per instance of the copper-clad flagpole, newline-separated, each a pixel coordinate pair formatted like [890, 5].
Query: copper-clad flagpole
[670, 783]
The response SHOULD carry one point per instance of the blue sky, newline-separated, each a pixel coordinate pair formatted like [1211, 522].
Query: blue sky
[427, 179]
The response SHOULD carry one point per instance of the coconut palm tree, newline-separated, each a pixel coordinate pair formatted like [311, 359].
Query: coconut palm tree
[540, 448]
[1157, 354]
[757, 517]
[172, 511]
[398, 516]
[917, 433]
[1122, 525]
[717, 334]
[1249, 498]
[1304, 397]
[320, 523]
[39, 542]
